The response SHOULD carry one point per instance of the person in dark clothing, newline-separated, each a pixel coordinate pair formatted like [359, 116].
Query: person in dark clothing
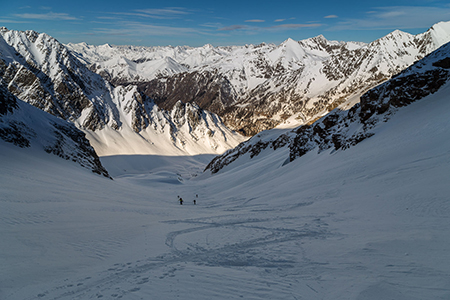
[195, 201]
[181, 201]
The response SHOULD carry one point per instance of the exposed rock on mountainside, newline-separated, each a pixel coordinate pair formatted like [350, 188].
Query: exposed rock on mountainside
[256, 87]
[39, 70]
[25, 126]
[340, 130]
[211, 91]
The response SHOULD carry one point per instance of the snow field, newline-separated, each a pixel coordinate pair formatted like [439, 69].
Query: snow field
[370, 222]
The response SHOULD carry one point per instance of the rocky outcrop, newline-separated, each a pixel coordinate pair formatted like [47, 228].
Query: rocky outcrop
[257, 87]
[39, 70]
[211, 91]
[340, 130]
[25, 126]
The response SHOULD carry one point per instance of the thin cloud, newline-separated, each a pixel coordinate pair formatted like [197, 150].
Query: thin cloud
[269, 28]
[391, 14]
[165, 13]
[396, 17]
[48, 16]
[5, 21]
[331, 17]
[280, 20]
[108, 18]
[212, 25]
[141, 29]
[234, 27]
[295, 26]
[255, 21]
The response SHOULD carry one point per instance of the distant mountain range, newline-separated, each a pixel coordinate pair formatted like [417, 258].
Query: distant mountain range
[257, 87]
[342, 129]
[39, 70]
[172, 100]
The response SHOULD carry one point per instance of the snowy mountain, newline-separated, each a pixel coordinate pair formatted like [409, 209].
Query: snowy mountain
[354, 206]
[118, 120]
[28, 127]
[256, 87]
[342, 129]
[367, 223]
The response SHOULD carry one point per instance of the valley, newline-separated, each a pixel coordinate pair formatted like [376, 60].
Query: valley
[354, 205]
[360, 223]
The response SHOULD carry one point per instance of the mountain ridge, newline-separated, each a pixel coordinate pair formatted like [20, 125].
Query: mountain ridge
[342, 129]
[251, 88]
[258, 87]
[25, 126]
[39, 70]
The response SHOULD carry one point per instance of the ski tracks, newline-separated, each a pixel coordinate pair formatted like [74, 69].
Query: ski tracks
[252, 253]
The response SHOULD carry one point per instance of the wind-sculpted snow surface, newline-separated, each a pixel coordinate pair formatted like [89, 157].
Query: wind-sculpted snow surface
[257, 87]
[340, 130]
[39, 70]
[306, 221]
[370, 222]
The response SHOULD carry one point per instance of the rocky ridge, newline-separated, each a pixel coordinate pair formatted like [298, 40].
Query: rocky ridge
[257, 87]
[39, 70]
[342, 129]
[25, 126]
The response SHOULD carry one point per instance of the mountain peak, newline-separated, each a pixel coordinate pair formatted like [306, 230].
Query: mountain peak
[106, 46]
[342, 129]
[208, 46]
[289, 41]
[398, 33]
[320, 37]
[441, 26]
[440, 32]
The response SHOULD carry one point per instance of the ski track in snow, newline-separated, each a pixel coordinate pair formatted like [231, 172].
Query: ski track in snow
[233, 247]
[239, 247]
[367, 223]
[243, 244]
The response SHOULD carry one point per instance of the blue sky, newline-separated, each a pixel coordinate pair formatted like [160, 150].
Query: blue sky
[200, 22]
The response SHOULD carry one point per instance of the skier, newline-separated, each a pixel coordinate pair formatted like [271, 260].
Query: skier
[195, 202]
[181, 201]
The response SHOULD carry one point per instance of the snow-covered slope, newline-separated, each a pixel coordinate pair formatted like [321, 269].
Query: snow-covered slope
[370, 222]
[25, 126]
[118, 120]
[256, 87]
[342, 129]
[355, 206]
[184, 130]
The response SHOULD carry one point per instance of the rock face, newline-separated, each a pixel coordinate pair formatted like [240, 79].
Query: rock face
[211, 91]
[39, 70]
[340, 129]
[25, 126]
[257, 87]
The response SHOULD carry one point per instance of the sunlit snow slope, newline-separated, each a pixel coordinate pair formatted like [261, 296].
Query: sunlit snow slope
[39, 70]
[257, 87]
[369, 222]
[25, 126]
